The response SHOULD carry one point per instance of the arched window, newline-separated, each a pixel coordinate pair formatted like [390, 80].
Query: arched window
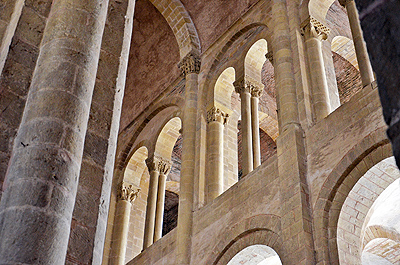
[256, 255]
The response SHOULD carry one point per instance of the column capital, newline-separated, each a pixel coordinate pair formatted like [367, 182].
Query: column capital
[345, 2]
[159, 164]
[127, 192]
[215, 114]
[312, 28]
[256, 90]
[270, 57]
[190, 64]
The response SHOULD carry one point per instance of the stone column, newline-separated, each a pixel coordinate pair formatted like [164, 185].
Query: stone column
[190, 66]
[314, 33]
[291, 152]
[126, 196]
[43, 173]
[153, 166]
[256, 91]
[366, 72]
[164, 168]
[243, 88]
[216, 119]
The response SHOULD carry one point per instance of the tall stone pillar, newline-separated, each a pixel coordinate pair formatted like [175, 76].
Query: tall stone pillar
[216, 119]
[314, 33]
[295, 216]
[42, 177]
[190, 66]
[153, 166]
[126, 196]
[164, 168]
[256, 91]
[243, 87]
[364, 64]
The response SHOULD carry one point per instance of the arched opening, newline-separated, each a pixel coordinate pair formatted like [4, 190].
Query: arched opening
[256, 255]
[136, 173]
[368, 209]
[346, 68]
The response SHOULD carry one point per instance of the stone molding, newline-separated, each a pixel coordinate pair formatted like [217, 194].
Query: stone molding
[215, 114]
[270, 57]
[312, 28]
[190, 64]
[345, 2]
[159, 164]
[127, 192]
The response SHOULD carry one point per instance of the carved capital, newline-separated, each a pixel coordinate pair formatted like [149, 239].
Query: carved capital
[159, 164]
[215, 114]
[345, 2]
[127, 192]
[256, 91]
[248, 85]
[242, 86]
[312, 28]
[270, 57]
[190, 64]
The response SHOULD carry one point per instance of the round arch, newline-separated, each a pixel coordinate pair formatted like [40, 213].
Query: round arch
[260, 229]
[181, 24]
[364, 155]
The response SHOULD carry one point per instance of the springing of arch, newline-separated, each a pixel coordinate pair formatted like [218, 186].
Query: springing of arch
[181, 24]
[319, 8]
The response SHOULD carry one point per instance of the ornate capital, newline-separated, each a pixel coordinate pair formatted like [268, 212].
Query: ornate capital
[270, 57]
[127, 192]
[248, 85]
[312, 28]
[242, 86]
[159, 164]
[190, 64]
[256, 91]
[345, 2]
[215, 114]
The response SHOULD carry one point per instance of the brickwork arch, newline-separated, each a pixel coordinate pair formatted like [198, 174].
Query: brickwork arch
[364, 155]
[260, 229]
[181, 24]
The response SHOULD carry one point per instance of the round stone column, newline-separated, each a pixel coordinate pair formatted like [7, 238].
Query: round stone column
[243, 88]
[164, 168]
[364, 64]
[216, 119]
[126, 196]
[256, 91]
[153, 166]
[190, 66]
[43, 173]
[314, 33]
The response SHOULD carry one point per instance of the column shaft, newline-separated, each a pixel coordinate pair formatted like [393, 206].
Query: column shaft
[216, 120]
[243, 87]
[314, 33]
[364, 64]
[126, 195]
[190, 66]
[43, 172]
[255, 127]
[151, 209]
[160, 206]
[121, 229]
